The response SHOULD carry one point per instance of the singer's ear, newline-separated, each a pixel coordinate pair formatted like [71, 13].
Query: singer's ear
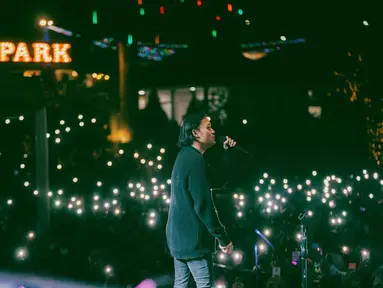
[195, 133]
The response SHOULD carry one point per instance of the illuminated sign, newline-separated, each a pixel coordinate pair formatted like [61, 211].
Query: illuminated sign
[39, 52]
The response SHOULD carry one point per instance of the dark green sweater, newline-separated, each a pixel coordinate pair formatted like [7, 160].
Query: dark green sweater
[193, 222]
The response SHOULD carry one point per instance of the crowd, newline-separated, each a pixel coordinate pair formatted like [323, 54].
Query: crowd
[109, 204]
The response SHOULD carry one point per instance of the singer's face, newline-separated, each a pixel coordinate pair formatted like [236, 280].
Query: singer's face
[205, 133]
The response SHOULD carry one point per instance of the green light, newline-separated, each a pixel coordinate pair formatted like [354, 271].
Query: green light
[130, 39]
[94, 18]
[142, 11]
[240, 12]
[214, 33]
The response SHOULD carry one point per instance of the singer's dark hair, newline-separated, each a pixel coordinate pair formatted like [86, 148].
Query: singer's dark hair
[191, 121]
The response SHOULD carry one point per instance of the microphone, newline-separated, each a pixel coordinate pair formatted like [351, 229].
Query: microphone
[222, 139]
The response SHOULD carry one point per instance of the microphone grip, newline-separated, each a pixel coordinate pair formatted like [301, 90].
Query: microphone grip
[236, 147]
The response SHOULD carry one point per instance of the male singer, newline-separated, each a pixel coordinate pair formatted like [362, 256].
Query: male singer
[193, 222]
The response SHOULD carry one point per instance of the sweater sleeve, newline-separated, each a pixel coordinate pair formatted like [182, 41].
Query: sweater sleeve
[203, 202]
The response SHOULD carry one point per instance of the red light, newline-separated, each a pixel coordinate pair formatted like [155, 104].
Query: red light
[162, 10]
[229, 7]
[218, 18]
[199, 3]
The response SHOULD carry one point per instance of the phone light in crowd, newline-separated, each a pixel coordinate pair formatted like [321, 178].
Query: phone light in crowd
[221, 257]
[264, 238]
[152, 219]
[108, 270]
[21, 253]
[31, 235]
[298, 237]
[237, 257]
[262, 247]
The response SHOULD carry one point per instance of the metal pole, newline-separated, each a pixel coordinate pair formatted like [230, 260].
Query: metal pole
[122, 68]
[42, 171]
[256, 265]
[304, 251]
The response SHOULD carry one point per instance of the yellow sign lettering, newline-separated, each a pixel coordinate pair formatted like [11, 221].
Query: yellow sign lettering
[39, 52]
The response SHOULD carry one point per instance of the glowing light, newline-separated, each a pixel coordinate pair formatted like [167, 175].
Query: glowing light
[41, 51]
[254, 55]
[6, 49]
[60, 53]
[22, 53]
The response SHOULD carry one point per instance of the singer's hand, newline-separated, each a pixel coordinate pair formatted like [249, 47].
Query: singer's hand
[229, 143]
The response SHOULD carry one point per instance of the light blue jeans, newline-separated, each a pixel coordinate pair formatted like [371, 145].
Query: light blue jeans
[201, 270]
